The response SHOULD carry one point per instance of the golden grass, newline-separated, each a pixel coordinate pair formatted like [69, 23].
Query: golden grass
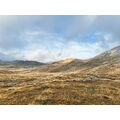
[31, 87]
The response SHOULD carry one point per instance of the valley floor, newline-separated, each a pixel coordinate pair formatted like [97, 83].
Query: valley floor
[31, 87]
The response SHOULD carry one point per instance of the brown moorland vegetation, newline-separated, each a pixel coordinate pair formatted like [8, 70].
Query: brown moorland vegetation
[73, 82]
[22, 86]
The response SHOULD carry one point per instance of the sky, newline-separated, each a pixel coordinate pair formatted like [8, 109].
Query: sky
[55, 37]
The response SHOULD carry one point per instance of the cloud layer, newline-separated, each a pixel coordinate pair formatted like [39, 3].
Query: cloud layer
[51, 38]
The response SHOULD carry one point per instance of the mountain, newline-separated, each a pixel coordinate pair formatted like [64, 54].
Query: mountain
[106, 59]
[113, 52]
[21, 63]
[84, 82]
[65, 61]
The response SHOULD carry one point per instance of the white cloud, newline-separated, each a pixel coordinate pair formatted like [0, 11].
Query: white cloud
[50, 38]
[70, 50]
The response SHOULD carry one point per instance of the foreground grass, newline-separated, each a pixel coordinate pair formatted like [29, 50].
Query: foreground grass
[28, 87]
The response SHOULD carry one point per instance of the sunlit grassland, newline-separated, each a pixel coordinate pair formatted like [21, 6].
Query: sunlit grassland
[31, 87]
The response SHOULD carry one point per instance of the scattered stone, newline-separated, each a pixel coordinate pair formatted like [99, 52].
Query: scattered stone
[117, 80]
[89, 78]
[106, 79]
[106, 97]
[43, 80]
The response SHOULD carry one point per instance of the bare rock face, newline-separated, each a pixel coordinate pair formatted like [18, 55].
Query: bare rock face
[112, 52]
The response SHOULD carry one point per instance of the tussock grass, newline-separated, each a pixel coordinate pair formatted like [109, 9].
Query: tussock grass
[32, 87]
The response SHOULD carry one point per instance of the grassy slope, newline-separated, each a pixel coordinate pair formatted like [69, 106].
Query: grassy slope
[28, 86]
[63, 83]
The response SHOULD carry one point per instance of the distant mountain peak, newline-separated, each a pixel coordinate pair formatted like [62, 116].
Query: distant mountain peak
[112, 52]
[21, 63]
[116, 48]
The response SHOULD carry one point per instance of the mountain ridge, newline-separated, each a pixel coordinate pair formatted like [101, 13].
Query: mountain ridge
[112, 52]
[69, 63]
[104, 59]
[20, 63]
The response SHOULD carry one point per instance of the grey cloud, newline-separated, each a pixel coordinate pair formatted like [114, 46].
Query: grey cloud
[109, 23]
[80, 26]
[13, 31]
[6, 57]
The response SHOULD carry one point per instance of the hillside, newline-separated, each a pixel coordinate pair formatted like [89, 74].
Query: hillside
[69, 82]
[113, 52]
[20, 63]
[66, 61]
[108, 58]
